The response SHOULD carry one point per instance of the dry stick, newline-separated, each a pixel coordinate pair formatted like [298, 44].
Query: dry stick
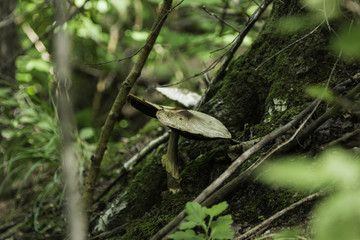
[219, 18]
[212, 187]
[343, 138]
[277, 215]
[120, 101]
[128, 165]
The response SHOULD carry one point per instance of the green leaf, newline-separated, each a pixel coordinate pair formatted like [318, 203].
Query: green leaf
[295, 172]
[187, 225]
[187, 235]
[348, 42]
[334, 167]
[196, 213]
[216, 209]
[86, 133]
[320, 92]
[220, 228]
[4, 92]
[326, 8]
[338, 217]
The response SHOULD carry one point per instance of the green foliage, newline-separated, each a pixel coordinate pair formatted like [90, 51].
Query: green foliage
[348, 41]
[213, 229]
[321, 92]
[335, 172]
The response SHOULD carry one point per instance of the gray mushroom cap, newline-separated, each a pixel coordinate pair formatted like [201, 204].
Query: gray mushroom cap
[193, 124]
[189, 123]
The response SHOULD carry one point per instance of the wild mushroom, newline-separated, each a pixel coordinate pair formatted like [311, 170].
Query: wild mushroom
[188, 123]
[183, 96]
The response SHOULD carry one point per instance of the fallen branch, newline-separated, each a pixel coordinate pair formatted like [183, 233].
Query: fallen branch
[343, 138]
[277, 215]
[120, 101]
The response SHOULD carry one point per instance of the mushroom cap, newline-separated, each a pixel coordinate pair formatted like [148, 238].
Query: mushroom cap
[181, 95]
[193, 124]
[144, 106]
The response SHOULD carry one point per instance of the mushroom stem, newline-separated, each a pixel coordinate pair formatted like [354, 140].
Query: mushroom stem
[170, 160]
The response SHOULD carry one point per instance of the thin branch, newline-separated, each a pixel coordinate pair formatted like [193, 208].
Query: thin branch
[11, 18]
[343, 138]
[128, 165]
[139, 50]
[118, 104]
[278, 215]
[291, 44]
[220, 19]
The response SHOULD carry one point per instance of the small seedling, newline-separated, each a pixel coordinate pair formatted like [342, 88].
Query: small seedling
[203, 218]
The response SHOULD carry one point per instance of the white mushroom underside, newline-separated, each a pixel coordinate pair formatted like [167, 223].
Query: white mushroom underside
[193, 122]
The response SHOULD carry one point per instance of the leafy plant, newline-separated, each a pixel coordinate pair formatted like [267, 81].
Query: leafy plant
[212, 229]
[335, 172]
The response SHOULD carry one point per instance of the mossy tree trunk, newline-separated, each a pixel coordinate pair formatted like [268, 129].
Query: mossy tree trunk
[263, 88]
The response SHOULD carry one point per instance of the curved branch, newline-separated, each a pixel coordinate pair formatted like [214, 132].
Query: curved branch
[120, 100]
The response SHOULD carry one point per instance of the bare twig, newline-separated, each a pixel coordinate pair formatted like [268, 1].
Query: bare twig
[278, 215]
[120, 100]
[220, 19]
[291, 44]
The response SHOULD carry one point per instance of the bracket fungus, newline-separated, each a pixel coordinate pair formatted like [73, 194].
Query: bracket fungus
[187, 123]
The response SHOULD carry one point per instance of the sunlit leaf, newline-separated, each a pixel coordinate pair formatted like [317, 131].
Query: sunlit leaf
[220, 228]
[348, 42]
[187, 235]
[338, 217]
[320, 92]
[326, 8]
[291, 24]
[86, 133]
[196, 213]
[217, 209]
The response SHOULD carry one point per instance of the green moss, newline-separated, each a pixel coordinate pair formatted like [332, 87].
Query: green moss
[150, 127]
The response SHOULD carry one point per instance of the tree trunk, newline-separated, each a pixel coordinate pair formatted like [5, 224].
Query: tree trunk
[7, 41]
[263, 89]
